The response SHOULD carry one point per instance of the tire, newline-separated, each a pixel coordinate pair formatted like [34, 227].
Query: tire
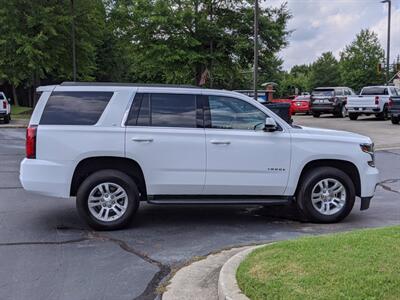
[342, 113]
[310, 183]
[7, 119]
[395, 120]
[384, 115]
[353, 116]
[128, 205]
[316, 114]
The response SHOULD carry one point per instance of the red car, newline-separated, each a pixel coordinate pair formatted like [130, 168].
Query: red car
[301, 104]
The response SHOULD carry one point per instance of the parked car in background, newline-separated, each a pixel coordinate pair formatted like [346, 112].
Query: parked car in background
[372, 100]
[5, 108]
[301, 104]
[394, 108]
[114, 145]
[331, 100]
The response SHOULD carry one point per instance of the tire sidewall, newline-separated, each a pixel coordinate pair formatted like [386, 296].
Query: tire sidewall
[305, 203]
[95, 179]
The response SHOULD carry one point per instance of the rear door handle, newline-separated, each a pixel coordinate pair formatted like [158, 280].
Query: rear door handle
[220, 142]
[142, 140]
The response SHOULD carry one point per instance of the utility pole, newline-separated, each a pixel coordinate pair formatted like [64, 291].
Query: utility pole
[389, 2]
[255, 75]
[73, 40]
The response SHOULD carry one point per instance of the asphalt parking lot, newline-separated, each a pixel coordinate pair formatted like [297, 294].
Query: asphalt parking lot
[47, 252]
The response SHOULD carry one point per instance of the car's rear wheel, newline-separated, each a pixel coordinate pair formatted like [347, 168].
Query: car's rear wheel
[384, 115]
[395, 120]
[342, 113]
[326, 195]
[107, 200]
[353, 116]
[7, 119]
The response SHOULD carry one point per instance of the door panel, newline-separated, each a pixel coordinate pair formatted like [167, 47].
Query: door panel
[165, 137]
[242, 159]
[172, 160]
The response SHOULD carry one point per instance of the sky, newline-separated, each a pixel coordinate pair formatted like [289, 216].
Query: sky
[330, 25]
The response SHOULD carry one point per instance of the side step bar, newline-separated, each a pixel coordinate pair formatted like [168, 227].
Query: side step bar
[217, 200]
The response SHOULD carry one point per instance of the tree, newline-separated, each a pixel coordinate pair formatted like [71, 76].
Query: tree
[177, 41]
[359, 60]
[35, 40]
[325, 71]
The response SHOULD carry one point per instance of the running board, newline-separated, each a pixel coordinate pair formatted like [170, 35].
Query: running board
[215, 200]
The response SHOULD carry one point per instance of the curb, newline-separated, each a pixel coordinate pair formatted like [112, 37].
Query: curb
[228, 288]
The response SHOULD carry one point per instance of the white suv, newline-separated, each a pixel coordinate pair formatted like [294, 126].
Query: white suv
[114, 145]
[5, 108]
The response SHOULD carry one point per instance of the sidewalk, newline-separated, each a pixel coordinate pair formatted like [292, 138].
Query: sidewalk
[18, 123]
[199, 280]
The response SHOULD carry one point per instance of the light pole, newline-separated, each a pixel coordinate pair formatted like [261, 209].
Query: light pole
[255, 70]
[73, 41]
[389, 2]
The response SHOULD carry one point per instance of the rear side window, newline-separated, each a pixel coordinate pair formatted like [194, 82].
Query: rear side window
[163, 110]
[75, 108]
[374, 91]
[323, 93]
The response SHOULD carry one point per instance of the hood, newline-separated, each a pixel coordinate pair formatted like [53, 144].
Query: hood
[334, 134]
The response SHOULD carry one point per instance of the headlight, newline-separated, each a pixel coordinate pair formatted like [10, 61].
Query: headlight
[369, 148]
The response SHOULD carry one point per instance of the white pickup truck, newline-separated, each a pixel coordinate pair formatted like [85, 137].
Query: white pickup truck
[5, 108]
[372, 100]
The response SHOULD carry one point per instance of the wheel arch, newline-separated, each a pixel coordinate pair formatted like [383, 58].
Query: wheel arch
[346, 166]
[90, 165]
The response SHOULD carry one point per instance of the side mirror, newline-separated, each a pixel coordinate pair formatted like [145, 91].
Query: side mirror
[270, 125]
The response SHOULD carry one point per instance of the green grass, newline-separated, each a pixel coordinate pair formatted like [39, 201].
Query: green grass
[21, 112]
[362, 264]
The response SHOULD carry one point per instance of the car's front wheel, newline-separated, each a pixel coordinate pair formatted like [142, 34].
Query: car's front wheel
[107, 200]
[326, 195]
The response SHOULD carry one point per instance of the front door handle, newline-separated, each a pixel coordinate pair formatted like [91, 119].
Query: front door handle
[220, 142]
[142, 140]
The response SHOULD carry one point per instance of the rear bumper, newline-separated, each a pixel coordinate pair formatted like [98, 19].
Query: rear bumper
[3, 113]
[327, 108]
[395, 112]
[45, 177]
[360, 110]
[297, 109]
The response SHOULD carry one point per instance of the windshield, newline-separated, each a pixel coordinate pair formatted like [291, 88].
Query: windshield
[323, 93]
[374, 91]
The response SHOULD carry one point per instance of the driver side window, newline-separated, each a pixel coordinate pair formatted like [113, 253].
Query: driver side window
[232, 113]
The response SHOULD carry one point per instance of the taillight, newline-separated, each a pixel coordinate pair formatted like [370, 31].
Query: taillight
[30, 145]
[4, 104]
[390, 102]
[377, 100]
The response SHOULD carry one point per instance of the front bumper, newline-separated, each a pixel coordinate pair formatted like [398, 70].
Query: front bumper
[369, 182]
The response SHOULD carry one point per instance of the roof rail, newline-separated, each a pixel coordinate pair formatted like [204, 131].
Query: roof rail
[76, 83]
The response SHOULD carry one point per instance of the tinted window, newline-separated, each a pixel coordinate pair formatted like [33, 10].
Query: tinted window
[374, 91]
[231, 113]
[163, 110]
[75, 108]
[323, 93]
[169, 110]
[393, 91]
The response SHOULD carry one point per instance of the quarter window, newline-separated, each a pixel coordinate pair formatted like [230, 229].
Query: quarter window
[232, 113]
[75, 108]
